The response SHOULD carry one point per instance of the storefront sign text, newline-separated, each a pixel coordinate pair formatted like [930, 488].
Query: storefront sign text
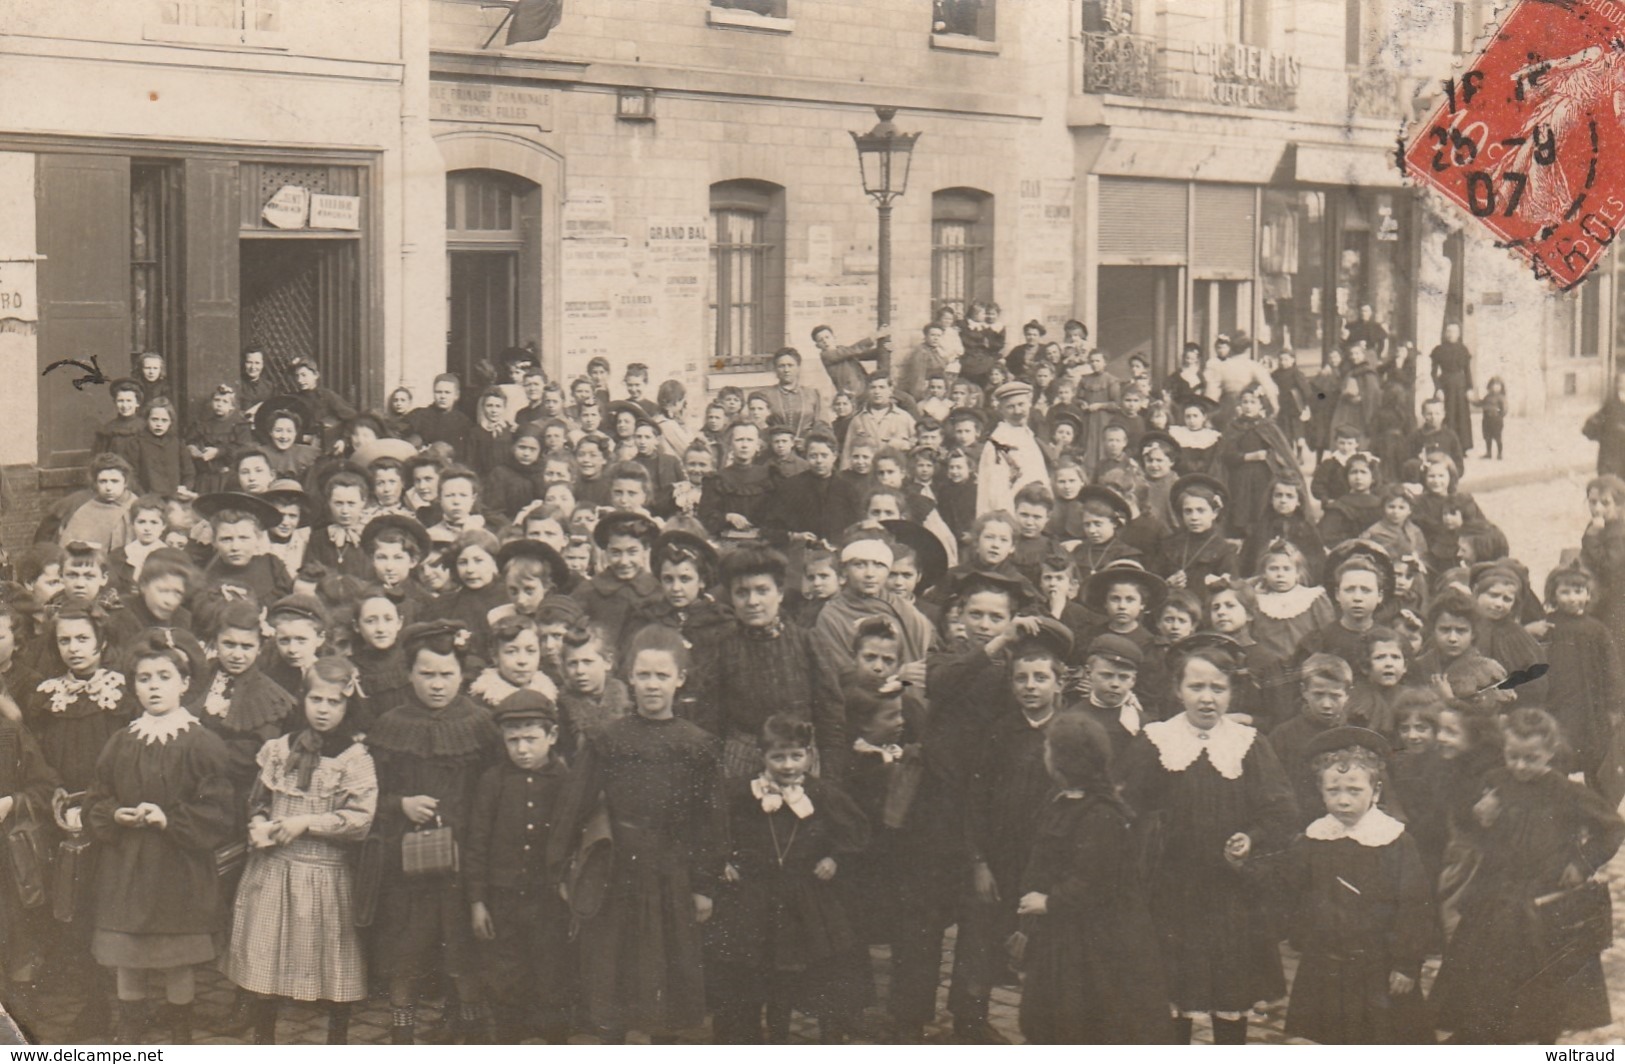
[19, 291]
[491, 104]
[288, 208]
[335, 212]
[1235, 75]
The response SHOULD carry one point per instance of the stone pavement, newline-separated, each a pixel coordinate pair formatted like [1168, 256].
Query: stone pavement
[1537, 448]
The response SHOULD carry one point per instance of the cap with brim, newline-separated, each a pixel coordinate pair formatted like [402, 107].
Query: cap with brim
[1052, 635]
[1107, 497]
[1375, 552]
[277, 405]
[558, 573]
[256, 506]
[414, 635]
[1198, 480]
[559, 608]
[1206, 405]
[1169, 445]
[525, 706]
[868, 548]
[930, 556]
[1063, 416]
[1334, 739]
[625, 523]
[1018, 586]
[626, 406]
[406, 526]
[689, 543]
[1012, 390]
[400, 450]
[1199, 640]
[282, 492]
[307, 606]
[1125, 572]
[1119, 650]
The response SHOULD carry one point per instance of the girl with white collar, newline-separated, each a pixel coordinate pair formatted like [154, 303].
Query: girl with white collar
[1361, 905]
[159, 804]
[1216, 794]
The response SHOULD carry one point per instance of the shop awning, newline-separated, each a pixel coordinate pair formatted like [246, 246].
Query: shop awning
[1178, 158]
[1325, 164]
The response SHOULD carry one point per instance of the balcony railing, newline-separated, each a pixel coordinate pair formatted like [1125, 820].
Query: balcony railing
[1122, 64]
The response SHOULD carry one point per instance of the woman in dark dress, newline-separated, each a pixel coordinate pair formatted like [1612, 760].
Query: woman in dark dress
[1253, 452]
[659, 779]
[1216, 793]
[1093, 972]
[1453, 377]
[430, 751]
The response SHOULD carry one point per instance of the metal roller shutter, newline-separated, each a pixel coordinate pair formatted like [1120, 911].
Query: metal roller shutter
[1224, 231]
[1142, 219]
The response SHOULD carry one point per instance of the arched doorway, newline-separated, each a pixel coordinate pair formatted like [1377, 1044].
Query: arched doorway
[493, 252]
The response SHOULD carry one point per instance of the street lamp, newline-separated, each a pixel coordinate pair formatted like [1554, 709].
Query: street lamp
[883, 160]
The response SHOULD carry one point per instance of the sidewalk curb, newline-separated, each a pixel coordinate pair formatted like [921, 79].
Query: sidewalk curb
[1522, 478]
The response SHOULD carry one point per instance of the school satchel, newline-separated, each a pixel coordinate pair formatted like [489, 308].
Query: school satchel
[229, 862]
[1573, 924]
[75, 876]
[369, 878]
[429, 851]
[27, 853]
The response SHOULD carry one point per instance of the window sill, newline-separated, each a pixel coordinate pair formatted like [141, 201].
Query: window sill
[731, 19]
[958, 42]
[745, 376]
[215, 36]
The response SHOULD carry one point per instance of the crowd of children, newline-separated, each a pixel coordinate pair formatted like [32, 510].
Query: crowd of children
[584, 720]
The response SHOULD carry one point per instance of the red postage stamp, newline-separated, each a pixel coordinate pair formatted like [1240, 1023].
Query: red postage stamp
[1530, 139]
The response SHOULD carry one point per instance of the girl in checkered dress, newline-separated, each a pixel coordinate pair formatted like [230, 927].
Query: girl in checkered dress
[293, 931]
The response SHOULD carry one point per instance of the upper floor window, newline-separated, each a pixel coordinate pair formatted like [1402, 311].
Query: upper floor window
[250, 22]
[964, 18]
[769, 8]
[746, 304]
[1252, 18]
[1468, 24]
[961, 249]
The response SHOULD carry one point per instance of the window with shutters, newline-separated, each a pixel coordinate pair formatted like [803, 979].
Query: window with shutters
[1143, 222]
[256, 23]
[1223, 244]
[746, 304]
[1252, 22]
[155, 260]
[961, 248]
[1354, 33]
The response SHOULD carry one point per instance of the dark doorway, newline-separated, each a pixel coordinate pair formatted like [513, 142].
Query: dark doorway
[1139, 315]
[484, 309]
[301, 299]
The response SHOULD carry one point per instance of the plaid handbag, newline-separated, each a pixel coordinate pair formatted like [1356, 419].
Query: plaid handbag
[429, 851]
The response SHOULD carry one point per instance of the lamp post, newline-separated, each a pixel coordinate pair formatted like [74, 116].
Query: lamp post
[883, 160]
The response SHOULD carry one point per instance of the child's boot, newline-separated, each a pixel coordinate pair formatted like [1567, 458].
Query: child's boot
[338, 1023]
[179, 1019]
[1230, 1032]
[265, 1011]
[402, 1025]
[128, 1021]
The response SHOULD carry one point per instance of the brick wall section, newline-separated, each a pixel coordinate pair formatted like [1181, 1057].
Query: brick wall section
[21, 503]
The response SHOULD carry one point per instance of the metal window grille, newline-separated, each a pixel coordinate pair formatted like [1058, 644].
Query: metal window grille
[1122, 64]
[739, 259]
[953, 265]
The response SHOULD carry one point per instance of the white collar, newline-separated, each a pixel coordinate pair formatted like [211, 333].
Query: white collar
[888, 752]
[1194, 437]
[1129, 713]
[1179, 744]
[493, 687]
[1376, 828]
[773, 797]
[1285, 605]
[1036, 725]
[160, 730]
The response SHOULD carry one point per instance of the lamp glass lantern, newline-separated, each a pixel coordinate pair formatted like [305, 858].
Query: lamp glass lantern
[884, 155]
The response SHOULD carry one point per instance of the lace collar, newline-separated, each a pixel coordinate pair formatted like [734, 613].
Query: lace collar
[774, 797]
[1285, 605]
[1197, 438]
[1376, 828]
[888, 752]
[160, 730]
[491, 688]
[1179, 745]
[103, 687]
[217, 703]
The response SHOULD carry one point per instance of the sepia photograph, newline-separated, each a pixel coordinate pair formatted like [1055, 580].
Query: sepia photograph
[855, 522]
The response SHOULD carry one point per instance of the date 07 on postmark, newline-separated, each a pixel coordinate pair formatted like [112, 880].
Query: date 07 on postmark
[1530, 139]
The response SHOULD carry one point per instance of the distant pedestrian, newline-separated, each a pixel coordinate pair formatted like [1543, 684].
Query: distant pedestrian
[1494, 406]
